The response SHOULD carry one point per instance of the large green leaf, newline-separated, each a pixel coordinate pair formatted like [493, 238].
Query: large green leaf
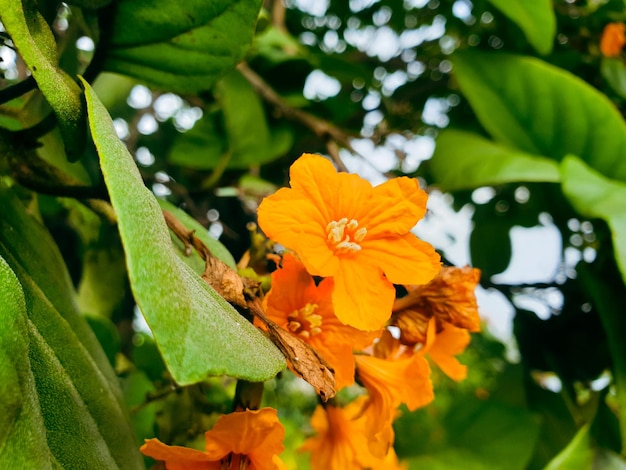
[82, 416]
[614, 72]
[594, 195]
[534, 17]
[181, 46]
[22, 444]
[463, 160]
[543, 110]
[36, 44]
[198, 332]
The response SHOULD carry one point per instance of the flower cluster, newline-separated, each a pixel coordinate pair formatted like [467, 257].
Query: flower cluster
[358, 239]
[347, 244]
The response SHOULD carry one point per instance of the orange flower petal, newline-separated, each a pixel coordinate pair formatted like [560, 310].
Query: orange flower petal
[396, 206]
[250, 433]
[448, 343]
[613, 39]
[402, 258]
[318, 180]
[177, 457]
[341, 442]
[362, 296]
[293, 221]
[405, 380]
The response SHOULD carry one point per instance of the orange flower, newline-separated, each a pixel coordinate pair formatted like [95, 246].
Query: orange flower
[613, 40]
[391, 381]
[249, 439]
[299, 306]
[449, 297]
[342, 227]
[341, 442]
[446, 344]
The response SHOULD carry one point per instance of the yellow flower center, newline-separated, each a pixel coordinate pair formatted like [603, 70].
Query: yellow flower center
[344, 236]
[305, 322]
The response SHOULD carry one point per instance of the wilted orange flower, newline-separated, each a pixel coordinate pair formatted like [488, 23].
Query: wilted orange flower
[341, 442]
[613, 40]
[249, 439]
[306, 309]
[342, 227]
[449, 297]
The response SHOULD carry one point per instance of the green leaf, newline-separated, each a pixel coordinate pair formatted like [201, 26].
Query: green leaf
[22, 444]
[83, 416]
[534, 17]
[594, 195]
[601, 283]
[543, 110]
[463, 160]
[250, 141]
[198, 332]
[578, 454]
[37, 47]
[614, 71]
[182, 47]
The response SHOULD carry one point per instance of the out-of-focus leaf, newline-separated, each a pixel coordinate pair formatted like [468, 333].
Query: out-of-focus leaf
[614, 71]
[198, 332]
[463, 160]
[107, 335]
[182, 47]
[481, 435]
[490, 245]
[89, 4]
[594, 195]
[578, 453]
[534, 17]
[219, 250]
[22, 442]
[276, 46]
[84, 422]
[136, 387]
[37, 47]
[250, 141]
[202, 147]
[543, 110]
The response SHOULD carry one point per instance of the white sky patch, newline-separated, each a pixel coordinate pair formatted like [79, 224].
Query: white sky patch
[314, 8]
[435, 110]
[414, 37]
[320, 86]
[417, 149]
[147, 124]
[121, 128]
[140, 97]
[144, 157]
[167, 105]
[536, 255]
[85, 43]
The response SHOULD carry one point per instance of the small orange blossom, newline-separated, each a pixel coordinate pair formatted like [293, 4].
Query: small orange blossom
[342, 227]
[341, 442]
[250, 439]
[613, 40]
[306, 310]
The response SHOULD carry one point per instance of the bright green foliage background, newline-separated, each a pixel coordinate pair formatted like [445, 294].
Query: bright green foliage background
[525, 104]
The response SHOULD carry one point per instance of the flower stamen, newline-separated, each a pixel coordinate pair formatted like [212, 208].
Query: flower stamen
[305, 322]
[344, 236]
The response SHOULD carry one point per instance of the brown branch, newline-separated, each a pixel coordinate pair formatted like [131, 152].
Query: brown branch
[319, 127]
[238, 291]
